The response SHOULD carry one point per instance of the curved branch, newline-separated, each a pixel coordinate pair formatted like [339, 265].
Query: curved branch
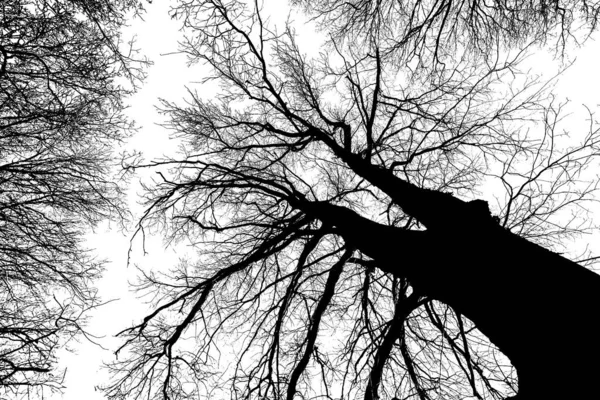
[313, 330]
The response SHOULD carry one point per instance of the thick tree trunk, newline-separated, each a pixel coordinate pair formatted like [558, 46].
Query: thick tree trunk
[539, 308]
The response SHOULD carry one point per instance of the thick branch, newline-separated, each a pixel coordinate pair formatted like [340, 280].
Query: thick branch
[315, 321]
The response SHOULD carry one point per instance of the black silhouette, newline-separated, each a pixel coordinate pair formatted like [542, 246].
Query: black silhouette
[60, 116]
[342, 247]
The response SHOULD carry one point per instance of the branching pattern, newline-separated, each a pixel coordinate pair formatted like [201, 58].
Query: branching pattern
[278, 184]
[60, 116]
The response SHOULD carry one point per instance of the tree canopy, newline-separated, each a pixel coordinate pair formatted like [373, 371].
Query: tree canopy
[64, 72]
[335, 200]
[437, 29]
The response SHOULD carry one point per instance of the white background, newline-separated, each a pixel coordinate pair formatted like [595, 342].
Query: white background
[156, 36]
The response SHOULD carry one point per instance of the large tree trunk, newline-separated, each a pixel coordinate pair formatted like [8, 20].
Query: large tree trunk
[537, 307]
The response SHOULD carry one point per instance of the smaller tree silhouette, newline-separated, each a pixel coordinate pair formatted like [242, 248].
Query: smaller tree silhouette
[60, 117]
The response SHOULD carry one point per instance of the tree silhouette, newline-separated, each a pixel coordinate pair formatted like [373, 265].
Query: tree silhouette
[417, 28]
[343, 247]
[60, 116]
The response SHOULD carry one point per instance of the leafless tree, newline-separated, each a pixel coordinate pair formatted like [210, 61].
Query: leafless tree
[436, 30]
[60, 116]
[343, 246]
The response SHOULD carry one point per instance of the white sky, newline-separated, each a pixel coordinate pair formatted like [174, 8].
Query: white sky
[158, 35]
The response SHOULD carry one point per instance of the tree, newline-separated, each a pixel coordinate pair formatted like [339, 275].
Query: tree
[343, 249]
[426, 29]
[63, 77]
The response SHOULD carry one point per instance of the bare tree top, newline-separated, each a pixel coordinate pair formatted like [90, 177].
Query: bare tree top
[439, 29]
[64, 72]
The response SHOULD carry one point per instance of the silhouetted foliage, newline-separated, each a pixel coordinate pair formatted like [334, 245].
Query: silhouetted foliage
[342, 248]
[60, 117]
